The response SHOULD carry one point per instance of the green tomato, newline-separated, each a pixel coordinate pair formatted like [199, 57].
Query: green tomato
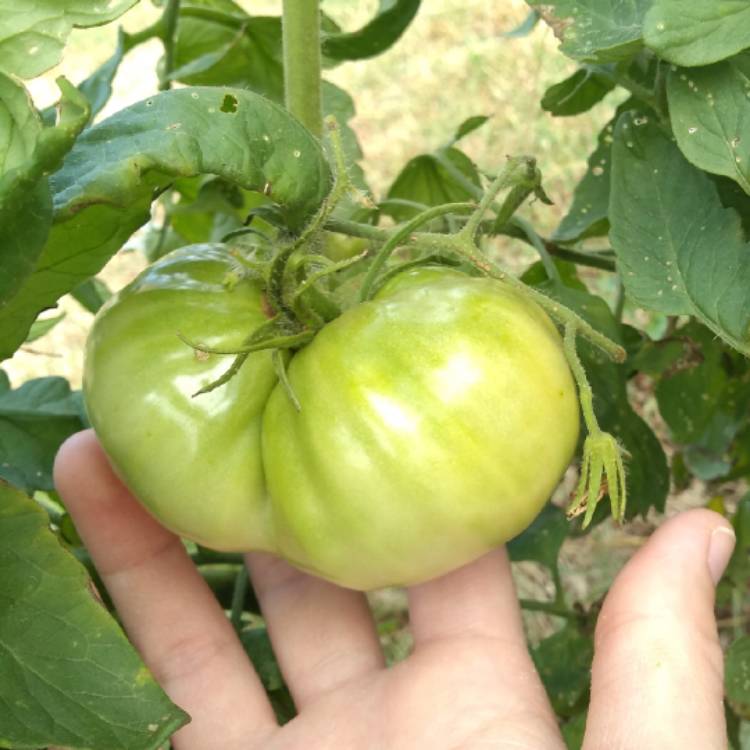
[194, 462]
[435, 420]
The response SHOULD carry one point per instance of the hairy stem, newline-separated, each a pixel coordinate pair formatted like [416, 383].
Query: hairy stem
[585, 393]
[401, 234]
[512, 175]
[301, 45]
[355, 229]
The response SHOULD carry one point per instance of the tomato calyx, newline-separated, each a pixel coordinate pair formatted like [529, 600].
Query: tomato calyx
[279, 333]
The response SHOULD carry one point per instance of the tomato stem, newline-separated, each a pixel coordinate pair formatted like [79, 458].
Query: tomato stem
[341, 186]
[301, 50]
[519, 173]
[602, 467]
[466, 248]
[402, 234]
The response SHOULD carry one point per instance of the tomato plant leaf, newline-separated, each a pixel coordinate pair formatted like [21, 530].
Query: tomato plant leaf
[32, 37]
[19, 124]
[564, 664]
[91, 294]
[737, 676]
[382, 31]
[428, 180]
[710, 110]
[229, 47]
[42, 326]
[689, 396]
[541, 542]
[25, 198]
[34, 421]
[595, 30]
[97, 88]
[733, 196]
[524, 28]
[25, 202]
[218, 44]
[578, 93]
[469, 125]
[695, 32]
[235, 134]
[738, 569]
[679, 250]
[70, 677]
[704, 397]
[587, 215]
[573, 731]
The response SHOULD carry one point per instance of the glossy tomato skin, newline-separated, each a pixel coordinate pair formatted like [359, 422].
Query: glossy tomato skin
[435, 422]
[194, 462]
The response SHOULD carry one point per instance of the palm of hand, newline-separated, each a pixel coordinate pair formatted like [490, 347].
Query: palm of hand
[470, 682]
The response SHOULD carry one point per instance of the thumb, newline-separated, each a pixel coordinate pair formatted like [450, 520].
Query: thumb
[657, 676]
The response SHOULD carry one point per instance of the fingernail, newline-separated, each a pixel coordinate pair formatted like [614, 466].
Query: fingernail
[720, 549]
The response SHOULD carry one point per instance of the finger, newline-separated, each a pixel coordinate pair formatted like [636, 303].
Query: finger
[657, 679]
[323, 635]
[478, 603]
[168, 611]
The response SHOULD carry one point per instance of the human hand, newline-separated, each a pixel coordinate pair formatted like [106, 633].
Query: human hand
[469, 683]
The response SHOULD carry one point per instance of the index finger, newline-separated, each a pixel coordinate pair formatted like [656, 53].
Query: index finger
[168, 610]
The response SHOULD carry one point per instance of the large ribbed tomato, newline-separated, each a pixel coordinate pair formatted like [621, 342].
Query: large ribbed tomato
[435, 420]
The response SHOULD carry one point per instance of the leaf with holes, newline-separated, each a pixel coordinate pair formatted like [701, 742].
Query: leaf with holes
[595, 30]
[98, 203]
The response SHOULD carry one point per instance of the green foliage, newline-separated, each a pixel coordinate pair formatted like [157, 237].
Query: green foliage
[181, 133]
[70, 676]
[34, 420]
[578, 93]
[390, 22]
[666, 184]
[710, 109]
[33, 41]
[737, 676]
[696, 32]
[564, 664]
[668, 261]
[598, 31]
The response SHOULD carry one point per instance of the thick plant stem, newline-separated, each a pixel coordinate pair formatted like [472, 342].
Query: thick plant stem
[301, 42]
